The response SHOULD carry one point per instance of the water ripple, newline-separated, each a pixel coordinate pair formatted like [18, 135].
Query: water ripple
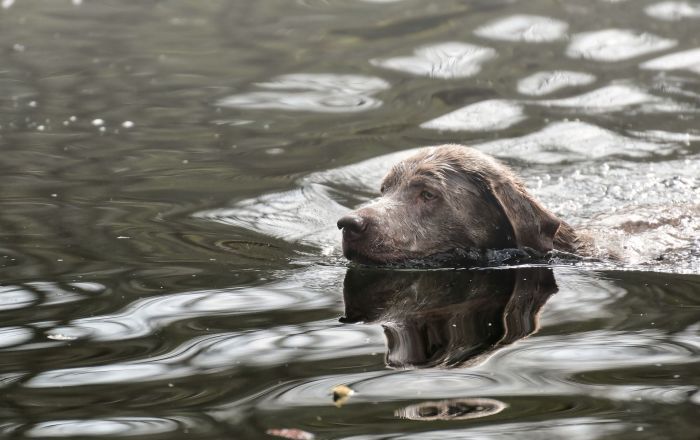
[685, 60]
[444, 60]
[212, 353]
[595, 350]
[384, 387]
[572, 141]
[615, 45]
[575, 428]
[324, 93]
[116, 426]
[305, 215]
[143, 317]
[673, 11]
[616, 97]
[544, 83]
[528, 28]
[495, 114]
[16, 297]
[11, 336]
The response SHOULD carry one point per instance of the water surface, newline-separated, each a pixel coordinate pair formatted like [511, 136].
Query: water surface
[171, 177]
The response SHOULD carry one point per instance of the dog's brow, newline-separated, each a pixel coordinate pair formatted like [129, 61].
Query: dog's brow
[432, 175]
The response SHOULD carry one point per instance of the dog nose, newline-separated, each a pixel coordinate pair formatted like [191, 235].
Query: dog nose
[352, 225]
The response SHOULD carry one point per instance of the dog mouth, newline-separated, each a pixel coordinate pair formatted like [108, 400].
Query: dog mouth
[357, 256]
[371, 257]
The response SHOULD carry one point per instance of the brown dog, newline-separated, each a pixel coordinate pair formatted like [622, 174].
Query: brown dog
[447, 198]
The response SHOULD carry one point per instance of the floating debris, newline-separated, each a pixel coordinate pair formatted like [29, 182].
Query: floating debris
[341, 394]
[295, 434]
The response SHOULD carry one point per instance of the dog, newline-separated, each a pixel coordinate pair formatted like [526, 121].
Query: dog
[450, 198]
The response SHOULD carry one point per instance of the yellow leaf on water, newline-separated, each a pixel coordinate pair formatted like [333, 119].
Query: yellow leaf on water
[341, 394]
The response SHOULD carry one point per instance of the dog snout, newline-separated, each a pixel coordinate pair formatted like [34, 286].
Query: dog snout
[353, 226]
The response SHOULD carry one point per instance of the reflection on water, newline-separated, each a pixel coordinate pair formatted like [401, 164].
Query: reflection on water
[457, 409]
[171, 177]
[447, 318]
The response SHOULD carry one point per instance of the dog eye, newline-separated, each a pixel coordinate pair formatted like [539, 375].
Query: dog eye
[427, 195]
[382, 189]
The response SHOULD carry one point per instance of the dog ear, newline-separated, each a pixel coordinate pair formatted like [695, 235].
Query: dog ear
[532, 224]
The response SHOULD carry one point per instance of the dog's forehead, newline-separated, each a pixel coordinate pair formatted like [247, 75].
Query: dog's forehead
[432, 162]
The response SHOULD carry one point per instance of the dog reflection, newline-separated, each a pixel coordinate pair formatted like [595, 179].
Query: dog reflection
[447, 318]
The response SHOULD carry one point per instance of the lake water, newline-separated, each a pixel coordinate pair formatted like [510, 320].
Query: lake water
[171, 177]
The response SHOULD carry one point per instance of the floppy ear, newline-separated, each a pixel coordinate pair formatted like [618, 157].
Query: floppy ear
[532, 224]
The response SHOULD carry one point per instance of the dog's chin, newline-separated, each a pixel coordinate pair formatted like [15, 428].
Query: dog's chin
[358, 257]
[361, 256]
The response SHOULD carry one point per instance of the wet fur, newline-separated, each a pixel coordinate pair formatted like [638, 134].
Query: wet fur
[478, 203]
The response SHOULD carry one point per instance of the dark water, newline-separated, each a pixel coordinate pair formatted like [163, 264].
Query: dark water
[171, 173]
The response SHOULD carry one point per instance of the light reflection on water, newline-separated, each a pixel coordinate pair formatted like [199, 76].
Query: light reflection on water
[171, 177]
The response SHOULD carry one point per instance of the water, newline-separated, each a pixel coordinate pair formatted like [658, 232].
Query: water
[171, 177]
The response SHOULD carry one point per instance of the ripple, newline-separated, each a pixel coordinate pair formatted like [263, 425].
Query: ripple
[391, 386]
[16, 297]
[673, 11]
[592, 297]
[667, 136]
[444, 60]
[117, 426]
[41, 293]
[594, 350]
[528, 28]
[363, 176]
[571, 141]
[569, 428]
[494, 114]
[323, 93]
[283, 344]
[543, 83]
[615, 45]
[615, 97]
[53, 293]
[209, 354]
[667, 395]
[145, 316]
[99, 375]
[685, 60]
[305, 215]
[10, 336]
